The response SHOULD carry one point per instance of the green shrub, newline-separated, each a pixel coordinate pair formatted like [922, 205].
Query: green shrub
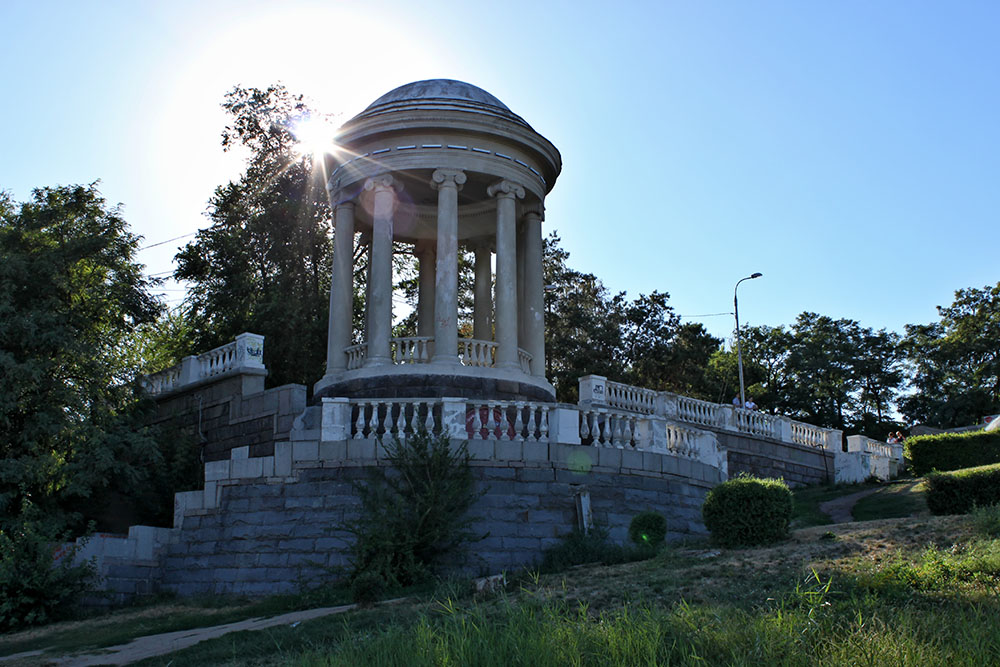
[986, 520]
[368, 587]
[579, 548]
[414, 513]
[747, 511]
[34, 587]
[648, 529]
[957, 492]
[952, 451]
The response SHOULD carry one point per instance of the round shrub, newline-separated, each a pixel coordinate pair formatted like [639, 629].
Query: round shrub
[368, 587]
[747, 511]
[648, 529]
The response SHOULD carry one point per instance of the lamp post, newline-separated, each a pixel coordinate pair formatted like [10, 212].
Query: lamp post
[739, 351]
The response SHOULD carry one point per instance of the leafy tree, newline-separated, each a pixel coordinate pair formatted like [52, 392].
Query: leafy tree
[71, 294]
[954, 364]
[264, 263]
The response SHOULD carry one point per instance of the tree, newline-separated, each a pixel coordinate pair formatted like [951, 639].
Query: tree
[71, 294]
[954, 364]
[264, 263]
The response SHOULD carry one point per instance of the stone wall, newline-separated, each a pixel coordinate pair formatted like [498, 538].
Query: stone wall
[269, 534]
[230, 413]
[799, 465]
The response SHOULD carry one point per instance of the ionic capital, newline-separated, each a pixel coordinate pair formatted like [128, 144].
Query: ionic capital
[447, 177]
[383, 182]
[534, 210]
[341, 199]
[505, 188]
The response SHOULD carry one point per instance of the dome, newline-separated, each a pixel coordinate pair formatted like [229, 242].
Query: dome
[438, 89]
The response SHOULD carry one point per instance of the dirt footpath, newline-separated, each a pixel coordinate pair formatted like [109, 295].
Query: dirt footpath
[839, 509]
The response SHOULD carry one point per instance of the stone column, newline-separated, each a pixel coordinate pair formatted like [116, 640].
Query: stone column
[534, 292]
[522, 310]
[483, 294]
[380, 286]
[447, 182]
[341, 289]
[506, 193]
[424, 251]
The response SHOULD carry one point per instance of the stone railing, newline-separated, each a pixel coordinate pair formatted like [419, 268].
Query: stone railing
[597, 391]
[420, 350]
[245, 355]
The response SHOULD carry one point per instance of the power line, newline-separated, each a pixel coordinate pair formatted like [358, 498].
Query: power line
[176, 238]
[706, 315]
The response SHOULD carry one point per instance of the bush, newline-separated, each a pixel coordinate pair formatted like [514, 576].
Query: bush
[648, 529]
[952, 451]
[34, 587]
[579, 548]
[747, 511]
[986, 520]
[958, 492]
[414, 513]
[368, 588]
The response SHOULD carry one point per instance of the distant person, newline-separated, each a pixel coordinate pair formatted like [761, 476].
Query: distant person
[736, 401]
[751, 405]
[891, 439]
[899, 438]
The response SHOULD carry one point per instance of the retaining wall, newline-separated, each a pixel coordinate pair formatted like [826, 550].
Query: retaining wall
[799, 465]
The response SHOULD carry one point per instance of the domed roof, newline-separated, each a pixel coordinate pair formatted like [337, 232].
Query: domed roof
[438, 89]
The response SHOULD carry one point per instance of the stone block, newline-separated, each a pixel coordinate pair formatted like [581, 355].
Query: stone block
[246, 468]
[536, 475]
[509, 450]
[361, 450]
[333, 451]
[210, 499]
[494, 473]
[216, 470]
[307, 450]
[239, 453]
[267, 466]
[609, 457]
[536, 451]
[671, 464]
[632, 459]
[481, 450]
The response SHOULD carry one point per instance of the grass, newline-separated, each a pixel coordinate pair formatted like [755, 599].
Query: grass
[806, 501]
[901, 499]
[897, 591]
[103, 629]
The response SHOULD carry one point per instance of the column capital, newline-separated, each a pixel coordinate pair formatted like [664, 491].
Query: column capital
[445, 177]
[505, 188]
[537, 210]
[339, 201]
[383, 182]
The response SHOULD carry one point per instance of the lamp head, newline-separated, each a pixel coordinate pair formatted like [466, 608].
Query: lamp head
[756, 275]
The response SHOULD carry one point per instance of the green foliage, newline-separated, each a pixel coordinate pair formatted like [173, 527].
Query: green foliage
[34, 587]
[415, 513]
[579, 548]
[748, 511]
[956, 361]
[958, 492]
[368, 587]
[263, 265]
[986, 520]
[71, 295]
[952, 451]
[648, 529]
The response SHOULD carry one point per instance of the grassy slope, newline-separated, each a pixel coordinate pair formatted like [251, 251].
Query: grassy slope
[898, 591]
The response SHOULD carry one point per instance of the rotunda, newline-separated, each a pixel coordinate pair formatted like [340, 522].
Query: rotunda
[439, 164]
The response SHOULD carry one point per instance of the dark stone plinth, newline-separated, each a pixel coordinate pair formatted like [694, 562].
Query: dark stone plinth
[436, 385]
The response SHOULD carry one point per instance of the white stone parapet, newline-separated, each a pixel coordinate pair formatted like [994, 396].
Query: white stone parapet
[471, 352]
[245, 355]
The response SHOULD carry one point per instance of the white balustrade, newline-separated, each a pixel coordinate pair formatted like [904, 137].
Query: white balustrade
[628, 397]
[757, 423]
[412, 350]
[356, 356]
[389, 417]
[697, 411]
[682, 441]
[475, 352]
[607, 428]
[808, 435]
[520, 421]
[245, 355]
[524, 359]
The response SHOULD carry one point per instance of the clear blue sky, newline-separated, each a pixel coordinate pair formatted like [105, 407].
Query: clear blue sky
[849, 150]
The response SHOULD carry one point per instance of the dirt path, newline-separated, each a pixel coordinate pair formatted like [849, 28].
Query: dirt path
[839, 509]
[168, 642]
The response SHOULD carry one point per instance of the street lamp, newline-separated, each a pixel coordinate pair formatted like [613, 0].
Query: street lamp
[739, 352]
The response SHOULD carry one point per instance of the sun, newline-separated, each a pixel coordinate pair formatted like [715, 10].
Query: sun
[313, 136]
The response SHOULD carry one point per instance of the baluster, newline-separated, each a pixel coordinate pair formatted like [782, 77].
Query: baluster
[477, 422]
[584, 425]
[531, 424]
[394, 421]
[359, 426]
[504, 424]
[543, 425]
[518, 421]
[374, 421]
[629, 432]
[602, 427]
[429, 419]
